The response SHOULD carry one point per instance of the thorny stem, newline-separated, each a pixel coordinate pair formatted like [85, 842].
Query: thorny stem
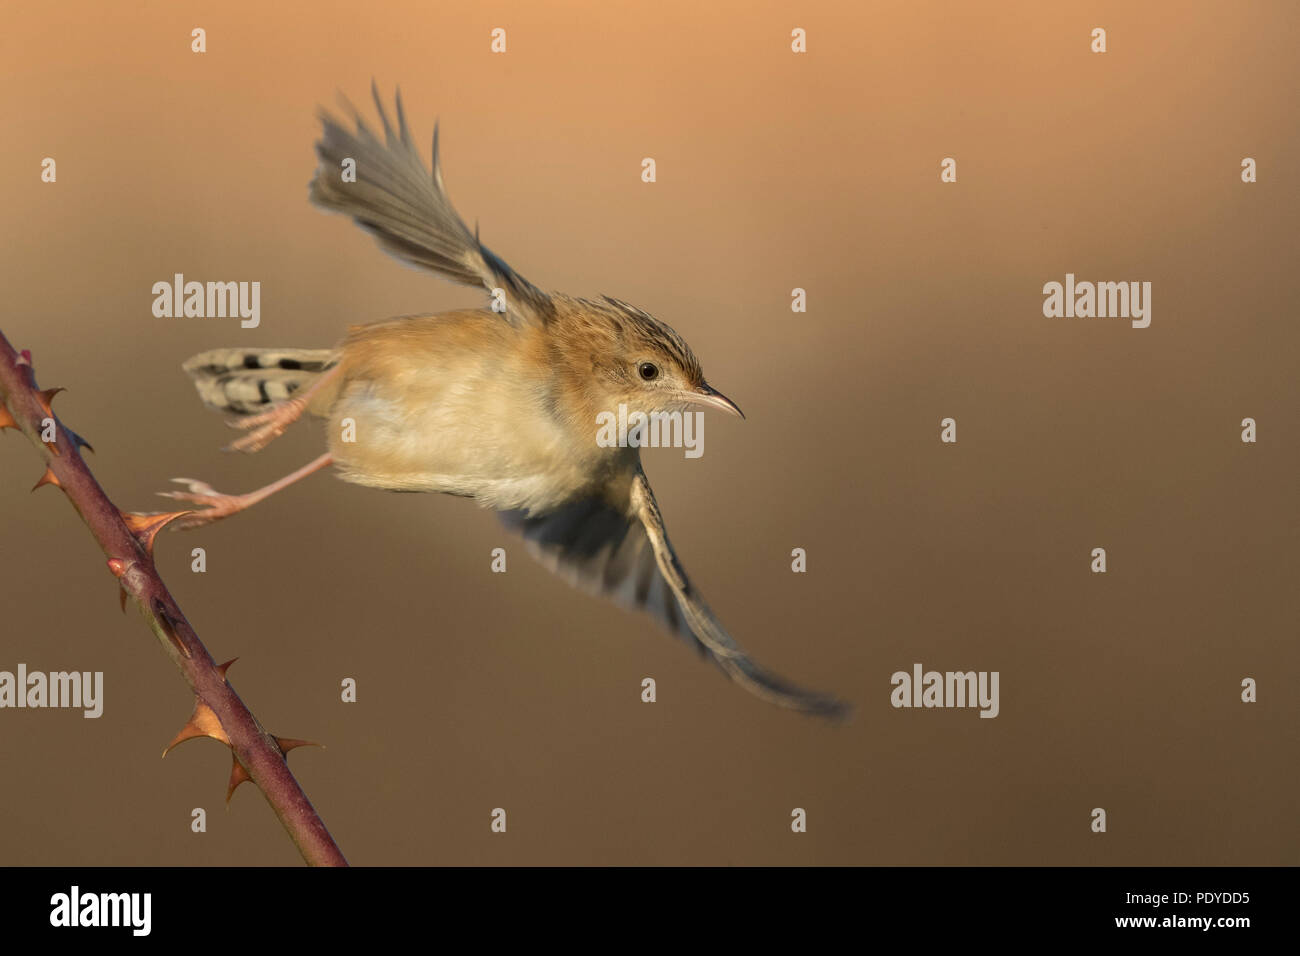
[130, 554]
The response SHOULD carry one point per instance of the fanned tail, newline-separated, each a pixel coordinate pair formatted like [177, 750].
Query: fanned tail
[248, 381]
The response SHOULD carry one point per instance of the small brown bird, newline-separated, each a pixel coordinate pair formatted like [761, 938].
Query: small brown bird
[497, 404]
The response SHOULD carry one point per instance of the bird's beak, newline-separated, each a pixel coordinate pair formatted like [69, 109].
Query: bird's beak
[712, 398]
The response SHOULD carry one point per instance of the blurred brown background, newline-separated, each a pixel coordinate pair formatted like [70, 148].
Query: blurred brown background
[775, 171]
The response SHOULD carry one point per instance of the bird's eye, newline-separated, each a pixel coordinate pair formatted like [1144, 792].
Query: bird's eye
[649, 371]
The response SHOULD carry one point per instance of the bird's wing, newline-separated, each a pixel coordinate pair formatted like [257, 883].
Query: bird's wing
[619, 549]
[407, 210]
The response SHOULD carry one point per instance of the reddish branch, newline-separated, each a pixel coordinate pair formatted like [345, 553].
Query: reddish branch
[127, 540]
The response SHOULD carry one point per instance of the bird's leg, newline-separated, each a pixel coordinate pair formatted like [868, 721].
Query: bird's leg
[270, 424]
[218, 506]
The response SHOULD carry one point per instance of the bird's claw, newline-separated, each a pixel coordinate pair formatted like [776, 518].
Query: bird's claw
[266, 426]
[259, 439]
[215, 504]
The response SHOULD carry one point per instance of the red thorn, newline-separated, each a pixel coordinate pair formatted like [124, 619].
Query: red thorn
[145, 527]
[47, 479]
[222, 668]
[24, 357]
[47, 396]
[7, 420]
[202, 723]
[289, 743]
[121, 598]
[118, 566]
[237, 776]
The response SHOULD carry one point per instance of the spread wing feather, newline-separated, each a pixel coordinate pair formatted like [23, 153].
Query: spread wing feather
[619, 549]
[405, 206]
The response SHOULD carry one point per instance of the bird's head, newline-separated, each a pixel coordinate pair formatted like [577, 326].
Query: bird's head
[631, 358]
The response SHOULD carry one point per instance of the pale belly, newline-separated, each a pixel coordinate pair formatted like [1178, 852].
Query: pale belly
[465, 436]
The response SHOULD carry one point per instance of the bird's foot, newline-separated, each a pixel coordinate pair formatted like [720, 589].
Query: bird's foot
[267, 426]
[215, 504]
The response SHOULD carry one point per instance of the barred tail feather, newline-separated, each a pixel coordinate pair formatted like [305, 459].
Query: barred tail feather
[247, 381]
